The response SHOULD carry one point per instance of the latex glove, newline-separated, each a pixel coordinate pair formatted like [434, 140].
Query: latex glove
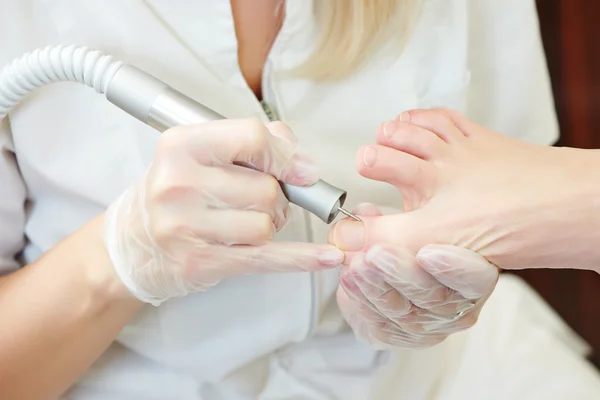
[391, 298]
[196, 218]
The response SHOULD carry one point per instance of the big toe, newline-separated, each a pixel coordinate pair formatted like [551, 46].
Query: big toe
[410, 230]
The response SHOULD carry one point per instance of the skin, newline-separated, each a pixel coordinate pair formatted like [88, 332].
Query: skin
[256, 26]
[517, 204]
[51, 333]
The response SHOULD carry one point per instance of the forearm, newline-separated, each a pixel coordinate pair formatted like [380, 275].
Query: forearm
[58, 315]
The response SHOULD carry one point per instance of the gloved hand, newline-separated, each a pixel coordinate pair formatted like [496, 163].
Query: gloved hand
[197, 218]
[392, 298]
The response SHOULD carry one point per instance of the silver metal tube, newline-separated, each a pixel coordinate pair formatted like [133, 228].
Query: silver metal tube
[162, 107]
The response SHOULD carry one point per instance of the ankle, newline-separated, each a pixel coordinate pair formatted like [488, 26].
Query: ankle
[581, 181]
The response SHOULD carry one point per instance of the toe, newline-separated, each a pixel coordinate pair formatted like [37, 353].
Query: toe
[435, 122]
[402, 229]
[406, 172]
[465, 125]
[410, 139]
[367, 210]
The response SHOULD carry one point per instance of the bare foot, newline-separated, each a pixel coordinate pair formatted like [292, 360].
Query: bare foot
[519, 205]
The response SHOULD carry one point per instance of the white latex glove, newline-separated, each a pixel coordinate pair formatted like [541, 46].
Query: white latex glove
[196, 218]
[392, 298]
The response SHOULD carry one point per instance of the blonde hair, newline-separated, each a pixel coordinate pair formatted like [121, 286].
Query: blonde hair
[352, 30]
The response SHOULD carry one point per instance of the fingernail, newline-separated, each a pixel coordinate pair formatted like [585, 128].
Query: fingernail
[370, 156]
[433, 261]
[349, 235]
[332, 258]
[273, 231]
[306, 172]
[404, 117]
[389, 128]
[282, 131]
[308, 176]
[367, 273]
[378, 255]
[349, 282]
[465, 306]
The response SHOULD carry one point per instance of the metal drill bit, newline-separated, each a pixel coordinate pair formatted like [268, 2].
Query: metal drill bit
[354, 217]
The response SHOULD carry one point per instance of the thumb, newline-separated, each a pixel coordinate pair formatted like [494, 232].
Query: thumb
[460, 269]
[279, 129]
[300, 169]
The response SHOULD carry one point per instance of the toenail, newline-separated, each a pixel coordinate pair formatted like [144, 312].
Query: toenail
[404, 117]
[349, 235]
[389, 128]
[370, 156]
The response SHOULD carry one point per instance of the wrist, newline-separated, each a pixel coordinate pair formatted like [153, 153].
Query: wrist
[104, 286]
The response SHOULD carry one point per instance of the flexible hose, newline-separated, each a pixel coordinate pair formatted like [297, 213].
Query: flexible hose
[54, 64]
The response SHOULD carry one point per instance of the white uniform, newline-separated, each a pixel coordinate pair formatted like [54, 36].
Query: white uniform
[279, 336]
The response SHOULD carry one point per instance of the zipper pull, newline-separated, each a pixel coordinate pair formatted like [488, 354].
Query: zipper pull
[270, 111]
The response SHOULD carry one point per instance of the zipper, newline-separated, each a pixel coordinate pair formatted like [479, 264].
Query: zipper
[269, 99]
[269, 110]
[269, 105]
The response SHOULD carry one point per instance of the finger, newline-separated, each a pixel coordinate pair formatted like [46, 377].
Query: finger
[398, 267]
[362, 295]
[384, 298]
[358, 312]
[397, 168]
[435, 122]
[382, 333]
[348, 283]
[425, 322]
[248, 142]
[364, 320]
[275, 257]
[228, 227]
[245, 189]
[460, 269]
[351, 311]
[279, 129]
[379, 331]
[348, 310]
[392, 336]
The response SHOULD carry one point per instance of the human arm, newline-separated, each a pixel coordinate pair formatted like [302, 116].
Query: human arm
[58, 315]
[60, 312]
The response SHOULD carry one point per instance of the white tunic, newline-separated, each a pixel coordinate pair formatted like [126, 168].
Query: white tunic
[275, 336]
